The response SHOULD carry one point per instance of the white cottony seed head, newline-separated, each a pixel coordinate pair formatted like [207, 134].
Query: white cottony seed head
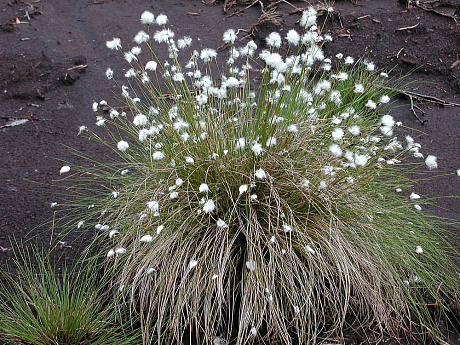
[337, 134]
[309, 249]
[359, 88]
[140, 120]
[293, 37]
[430, 162]
[114, 44]
[349, 60]
[257, 148]
[146, 239]
[153, 205]
[147, 18]
[162, 19]
[64, 169]
[370, 104]
[209, 206]
[151, 65]
[271, 142]
[260, 174]
[204, 188]
[157, 155]
[251, 265]
[273, 40]
[120, 250]
[414, 196]
[229, 36]
[122, 145]
[335, 150]
[243, 188]
[221, 224]
[287, 228]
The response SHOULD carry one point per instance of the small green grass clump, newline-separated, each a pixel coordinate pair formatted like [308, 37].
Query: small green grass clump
[41, 306]
[261, 211]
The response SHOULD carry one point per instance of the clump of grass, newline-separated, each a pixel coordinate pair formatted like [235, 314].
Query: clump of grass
[39, 305]
[262, 211]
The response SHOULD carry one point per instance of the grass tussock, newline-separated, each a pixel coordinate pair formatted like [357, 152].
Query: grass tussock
[43, 305]
[261, 211]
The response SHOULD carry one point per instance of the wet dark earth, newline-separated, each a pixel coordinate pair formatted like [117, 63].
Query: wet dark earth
[53, 60]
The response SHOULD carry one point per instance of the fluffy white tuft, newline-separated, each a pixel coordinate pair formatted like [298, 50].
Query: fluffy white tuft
[157, 155]
[431, 162]
[354, 130]
[209, 206]
[260, 173]
[337, 134]
[207, 54]
[251, 265]
[162, 19]
[114, 44]
[257, 148]
[384, 99]
[204, 188]
[221, 224]
[122, 145]
[64, 169]
[151, 65]
[359, 88]
[414, 196]
[229, 36]
[147, 18]
[335, 150]
[120, 250]
[153, 205]
[273, 40]
[293, 37]
[140, 120]
[271, 142]
[370, 104]
[146, 239]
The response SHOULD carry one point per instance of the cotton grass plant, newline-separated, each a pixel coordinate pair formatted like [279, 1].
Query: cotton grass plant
[260, 211]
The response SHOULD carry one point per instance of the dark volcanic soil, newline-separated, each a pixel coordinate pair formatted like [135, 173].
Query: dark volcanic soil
[52, 67]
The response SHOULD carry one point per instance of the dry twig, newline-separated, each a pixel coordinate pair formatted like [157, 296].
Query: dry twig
[422, 98]
[77, 67]
[455, 63]
[245, 8]
[408, 27]
[412, 106]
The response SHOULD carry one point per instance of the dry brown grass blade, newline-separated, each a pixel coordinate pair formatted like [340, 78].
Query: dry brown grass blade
[271, 16]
